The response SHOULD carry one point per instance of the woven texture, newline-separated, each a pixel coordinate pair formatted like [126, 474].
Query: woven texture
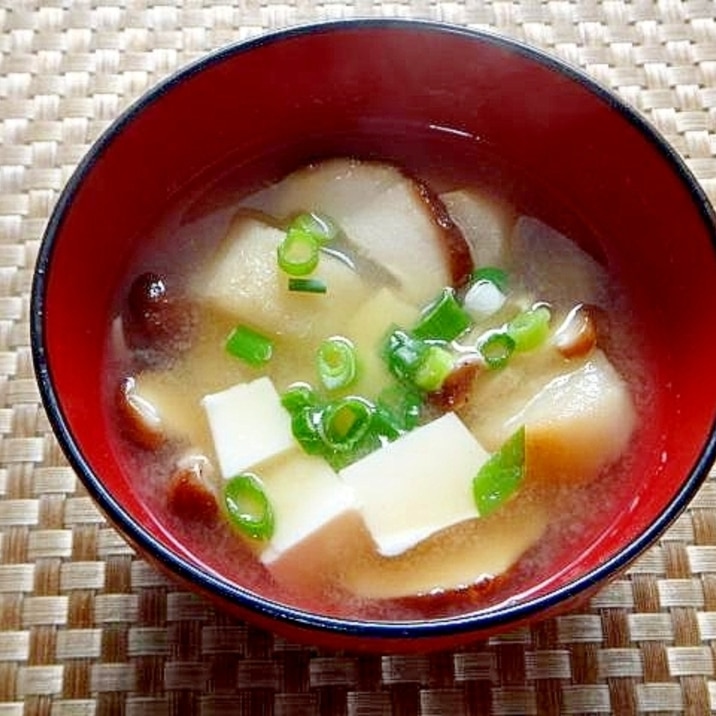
[87, 627]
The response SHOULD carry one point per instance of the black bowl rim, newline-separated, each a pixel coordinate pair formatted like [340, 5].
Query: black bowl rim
[478, 622]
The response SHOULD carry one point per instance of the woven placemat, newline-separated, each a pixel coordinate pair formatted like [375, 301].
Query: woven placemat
[87, 627]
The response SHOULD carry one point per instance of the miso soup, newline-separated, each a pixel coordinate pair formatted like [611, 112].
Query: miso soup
[372, 392]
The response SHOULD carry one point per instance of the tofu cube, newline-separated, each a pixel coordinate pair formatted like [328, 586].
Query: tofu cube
[306, 496]
[248, 425]
[418, 485]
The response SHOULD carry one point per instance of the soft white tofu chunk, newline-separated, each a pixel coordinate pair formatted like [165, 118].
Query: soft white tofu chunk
[248, 425]
[306, 496]
[417, 485]
[485, 224]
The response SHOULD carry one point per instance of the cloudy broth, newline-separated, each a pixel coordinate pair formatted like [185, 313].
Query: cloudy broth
[189, 235]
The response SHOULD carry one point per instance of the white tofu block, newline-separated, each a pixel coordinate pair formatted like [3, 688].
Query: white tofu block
[306, 495]
[248, 425]
[418, 485]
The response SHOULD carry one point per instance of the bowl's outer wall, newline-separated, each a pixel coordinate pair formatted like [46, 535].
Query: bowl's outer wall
[315, 93]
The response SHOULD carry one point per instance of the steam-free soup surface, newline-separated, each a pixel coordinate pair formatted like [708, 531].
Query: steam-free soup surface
[370, 396]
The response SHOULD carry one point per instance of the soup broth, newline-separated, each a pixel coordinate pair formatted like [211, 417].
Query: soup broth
[426, 422]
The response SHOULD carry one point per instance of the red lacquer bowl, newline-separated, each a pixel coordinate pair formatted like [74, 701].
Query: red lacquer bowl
[431, 97]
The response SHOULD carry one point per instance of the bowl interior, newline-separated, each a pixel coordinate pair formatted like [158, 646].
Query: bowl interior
[436, 100]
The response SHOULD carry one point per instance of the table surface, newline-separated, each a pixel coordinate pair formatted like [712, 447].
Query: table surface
[87, 627]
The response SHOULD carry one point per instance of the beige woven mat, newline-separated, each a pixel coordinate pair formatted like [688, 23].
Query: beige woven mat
[88, 628]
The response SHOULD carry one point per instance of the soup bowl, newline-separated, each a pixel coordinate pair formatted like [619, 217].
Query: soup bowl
[439, 100]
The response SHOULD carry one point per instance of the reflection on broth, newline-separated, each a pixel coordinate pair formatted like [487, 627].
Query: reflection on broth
[372, 397]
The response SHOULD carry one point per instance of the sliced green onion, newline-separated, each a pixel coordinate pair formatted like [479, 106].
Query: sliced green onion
[248, 506]
[318, 225]
[435, 367]
[307, 285]
[444, 319]
[340, 431]
[419, 363]
[403, 404]
[345, 422]
[403, 354]
[501, 475]
[337, 363]
[305, 426]
[530, 328]
[493, 274]
[249, 346]
[385, 426]
[305, 408]
[298, 396]
[496, 348]
[297, 254]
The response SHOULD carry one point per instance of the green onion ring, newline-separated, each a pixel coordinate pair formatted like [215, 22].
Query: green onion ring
[346, 422]
[297, 254]
[496, 348]
[336, 362]
[248, 506]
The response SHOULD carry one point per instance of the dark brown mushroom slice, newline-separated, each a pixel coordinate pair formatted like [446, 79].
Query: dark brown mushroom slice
[157, 319]
[189, 493]
[457, 249]
[579, 332]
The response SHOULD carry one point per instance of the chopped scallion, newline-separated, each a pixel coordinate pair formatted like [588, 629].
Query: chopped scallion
[496, 347]
[298, 396]
[305, 426]
[318, 225]
[403, 404]
[346, 422]
[501, 475]
[530, 328]
[419, 363]
[403, 354]
[248, 506]
[435, 367]
[307, 285]
[297, 254]
[249, 346]
[443, 320]
[385, 426]
[337, 363]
